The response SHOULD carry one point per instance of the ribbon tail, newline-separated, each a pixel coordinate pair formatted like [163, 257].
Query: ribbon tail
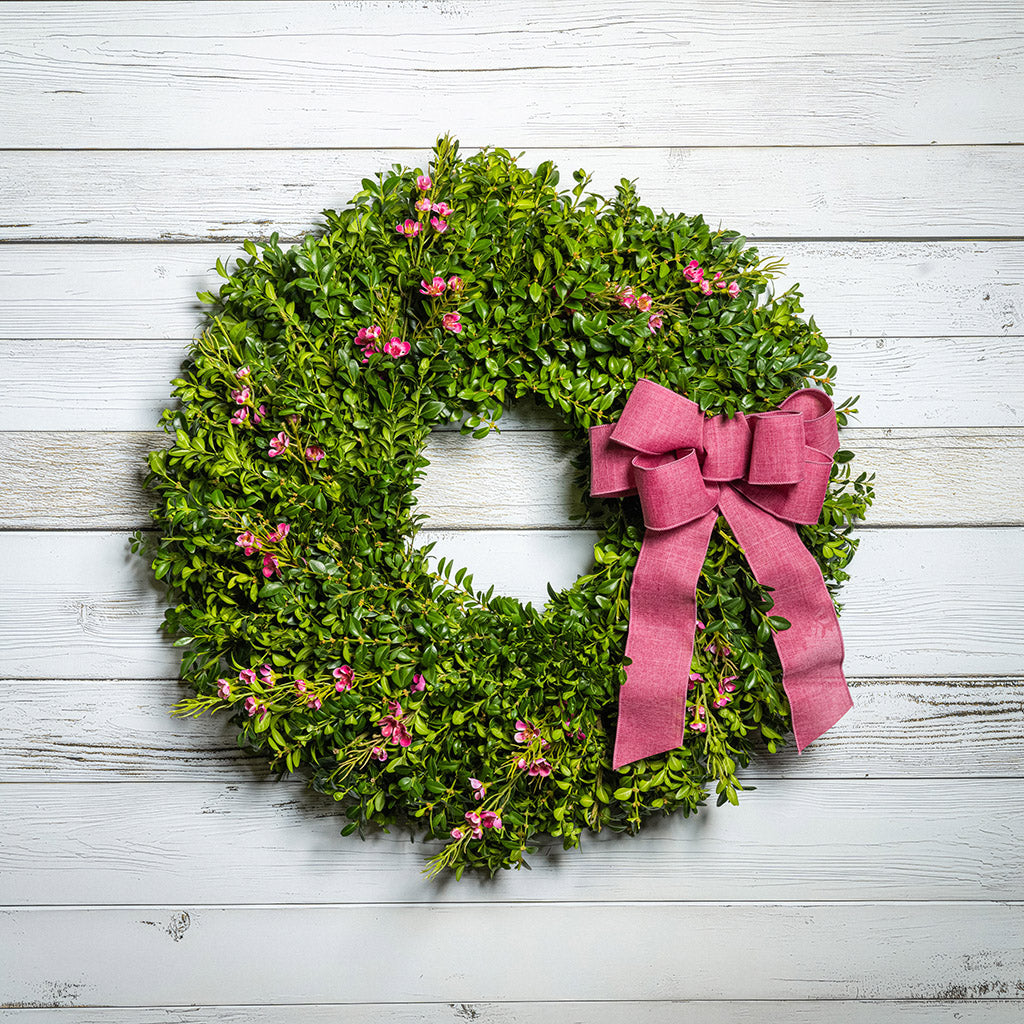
[811, 650]
[662, 621]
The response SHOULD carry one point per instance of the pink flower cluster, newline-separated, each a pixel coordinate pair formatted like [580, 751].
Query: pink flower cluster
[534, 766]
[628, 299]
[248, 677]
[698, 724]
[366, 338]
[243, 399]
[411, 228]
[250, 543]
[477, 823]
[392, 726]
[725, 687]
[344, 678]
[438, 285]
[695, 273]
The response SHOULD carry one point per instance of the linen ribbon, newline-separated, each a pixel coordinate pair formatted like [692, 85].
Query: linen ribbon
[764, 472]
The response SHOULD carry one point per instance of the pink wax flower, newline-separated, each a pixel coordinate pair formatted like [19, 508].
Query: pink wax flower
[249, 542]
[724, 651]
[396, 348]
[439, 225]
[696, 677]
[419, 683]
[655, 322]
[698, 726]
[241, 396]
[223, 688]
[728, 684]
[367, 334]
[278, 533]
[525, 732]
[247, 676]
[344, 677]
[700, 625]
[409, 227]
[627, 298]
[435, 287]
[692, 272]
[423, 182]
[476, 823]
[457, 833]
[490, 820]
[455, 283]
[734, 289]
[644, 302]
[452, 322]
[314, 453]
[705, 287]
[721, 699]
[270, 566]
[719, 283]
[300, 685]
[392, 726]
[278, 443]
[267, 674]
[257, 417]
[240, 417]
[251, 704]
[315, 703]
[479, 789]
[242, 372]
[540, 766]
[379, 754]
[423, 205]
[442, 209]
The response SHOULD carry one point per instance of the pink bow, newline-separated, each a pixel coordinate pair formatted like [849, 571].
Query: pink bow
[764, 472]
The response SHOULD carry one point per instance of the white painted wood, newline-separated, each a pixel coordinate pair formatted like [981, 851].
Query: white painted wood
[163, 843]
[925, 477]
[527, 73]
[96, 384]
[186, 955]
[763, 191]
[85, 730]
[852, 288]
[695, 1011]
[943, 602]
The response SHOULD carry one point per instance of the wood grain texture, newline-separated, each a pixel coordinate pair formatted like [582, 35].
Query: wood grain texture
[853, 289]
[261, 842]
[186, 955]
[925, 477]
[528, 73]
[694, 1011]
[922, 602]
[97, 384]
[85, 730]
[763, 191]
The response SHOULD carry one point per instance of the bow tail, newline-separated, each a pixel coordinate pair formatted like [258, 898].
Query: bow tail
[811, 650]
[662, 621]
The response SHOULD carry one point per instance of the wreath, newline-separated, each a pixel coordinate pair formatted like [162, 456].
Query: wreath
[286, 518]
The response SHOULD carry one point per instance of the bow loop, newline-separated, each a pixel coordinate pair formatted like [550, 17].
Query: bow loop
[777, 448]
[672, 490]
[656, 420]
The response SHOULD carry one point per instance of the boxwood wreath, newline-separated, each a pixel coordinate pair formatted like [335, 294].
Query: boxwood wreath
[287, 516]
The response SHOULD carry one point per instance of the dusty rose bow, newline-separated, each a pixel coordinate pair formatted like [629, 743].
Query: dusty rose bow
[764, 472]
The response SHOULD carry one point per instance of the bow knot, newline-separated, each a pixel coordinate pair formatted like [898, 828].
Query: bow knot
[764, 472]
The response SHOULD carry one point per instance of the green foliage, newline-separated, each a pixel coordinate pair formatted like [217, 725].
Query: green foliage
[542, 272]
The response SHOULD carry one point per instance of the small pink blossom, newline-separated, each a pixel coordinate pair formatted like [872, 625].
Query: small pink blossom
[721, 700]
[705, 287]
[344, 677]
[240, 417]
[270, 566]
[696, 677]
[734, 289]
[457, 833]
[418, 683]
[452, 322]
[294, 420]
[525, 732]
[278, 443]
[692, 272]
[489, 819]
[379, 754]
[392, 726]
[717, 279]
[540, 766]
[409, 227]
[242, 372]
[247, 676]
[626, 298]
[396, 348]
[251, 704]
[249, 542]
[724, 651]
[423, 182]
[700, 625]
[365, 335]
[314, 453]
[436, 287]
[455, 283]
[315, 703]
[423, 205]
[257, 417]
[278, 533]
[300, 685]
[655, 322]
[644, 302]
[474, 821]
[223, 688]
[241, 396]
[267, 674]
[479, 789]
[728, 685]
[442, 209]
[698, 726]
[439, 225]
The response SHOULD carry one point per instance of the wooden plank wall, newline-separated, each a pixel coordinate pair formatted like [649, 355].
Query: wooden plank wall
[151, 871]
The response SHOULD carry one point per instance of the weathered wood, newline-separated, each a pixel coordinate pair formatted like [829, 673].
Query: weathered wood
[161, 843]
[694, 1011]
[939, 602]
[783, 191]
[187, 955]
[853, 289]
[54, 384]
[925, 477]
[518, 74]
[122, 730]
